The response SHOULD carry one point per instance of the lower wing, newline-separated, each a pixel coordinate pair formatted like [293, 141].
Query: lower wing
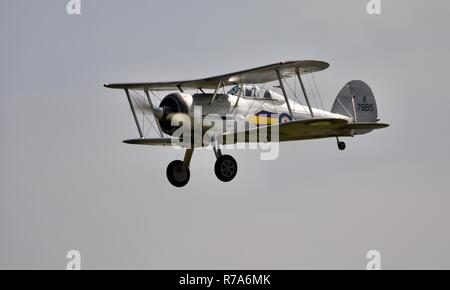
[151, 141]
[295, 130]
[291, 131]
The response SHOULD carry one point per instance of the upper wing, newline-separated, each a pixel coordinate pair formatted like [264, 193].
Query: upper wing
[257, 75]
[295, 130]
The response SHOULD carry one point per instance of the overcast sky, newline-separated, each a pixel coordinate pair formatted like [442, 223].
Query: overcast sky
[68, 182]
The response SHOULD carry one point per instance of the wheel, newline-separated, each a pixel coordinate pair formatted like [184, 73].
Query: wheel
[284, 118]
[176, 174]
[225, 168]
[341, 145]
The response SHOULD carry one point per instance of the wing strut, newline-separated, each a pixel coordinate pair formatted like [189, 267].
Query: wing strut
[153, 112]
[284, 94]
[215, 92]
[304, 92]
[134, 113]
[238, 98]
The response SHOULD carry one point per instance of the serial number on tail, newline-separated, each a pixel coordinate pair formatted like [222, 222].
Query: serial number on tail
[365, 108]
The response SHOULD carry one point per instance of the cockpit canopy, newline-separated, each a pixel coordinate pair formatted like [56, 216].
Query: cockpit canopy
[252, 91]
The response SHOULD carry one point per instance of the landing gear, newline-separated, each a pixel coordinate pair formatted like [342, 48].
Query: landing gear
[284, 118]
[225, 168]
[341, 145]
[178, 172]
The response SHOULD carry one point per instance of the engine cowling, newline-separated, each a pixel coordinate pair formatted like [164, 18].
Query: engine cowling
[172, 105]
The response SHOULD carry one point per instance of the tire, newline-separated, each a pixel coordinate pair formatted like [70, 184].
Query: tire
[284, 118]
[225, 168]
[176, 174]
[341, 145]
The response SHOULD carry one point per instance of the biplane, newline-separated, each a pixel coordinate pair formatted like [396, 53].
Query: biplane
[244, 95]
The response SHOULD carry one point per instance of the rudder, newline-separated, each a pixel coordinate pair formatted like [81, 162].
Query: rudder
[356, 100]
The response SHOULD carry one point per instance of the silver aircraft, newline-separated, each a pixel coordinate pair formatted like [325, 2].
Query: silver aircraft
[242, 95]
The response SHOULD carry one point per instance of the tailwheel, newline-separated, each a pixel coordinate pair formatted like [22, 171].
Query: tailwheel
[177, 174]
[225, 168]
[341, 145]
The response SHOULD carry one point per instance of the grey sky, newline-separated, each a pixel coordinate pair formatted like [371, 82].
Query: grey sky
[67, 181]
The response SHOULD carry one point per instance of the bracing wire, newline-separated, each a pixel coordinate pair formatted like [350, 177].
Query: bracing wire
[318, 92]
[295, 95]
[312, 92]
[144, 115]
[156, 96]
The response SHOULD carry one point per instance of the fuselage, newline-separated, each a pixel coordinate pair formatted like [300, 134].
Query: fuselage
[258, 110]
[255, 107]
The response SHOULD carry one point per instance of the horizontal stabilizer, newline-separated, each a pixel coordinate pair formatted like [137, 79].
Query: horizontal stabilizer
[367, 125]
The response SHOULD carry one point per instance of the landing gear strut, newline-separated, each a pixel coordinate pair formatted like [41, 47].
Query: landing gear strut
[225, 166]
[341, 145]
[178, 172]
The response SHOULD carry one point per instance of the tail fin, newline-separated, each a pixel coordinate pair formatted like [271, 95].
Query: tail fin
[356, 100]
